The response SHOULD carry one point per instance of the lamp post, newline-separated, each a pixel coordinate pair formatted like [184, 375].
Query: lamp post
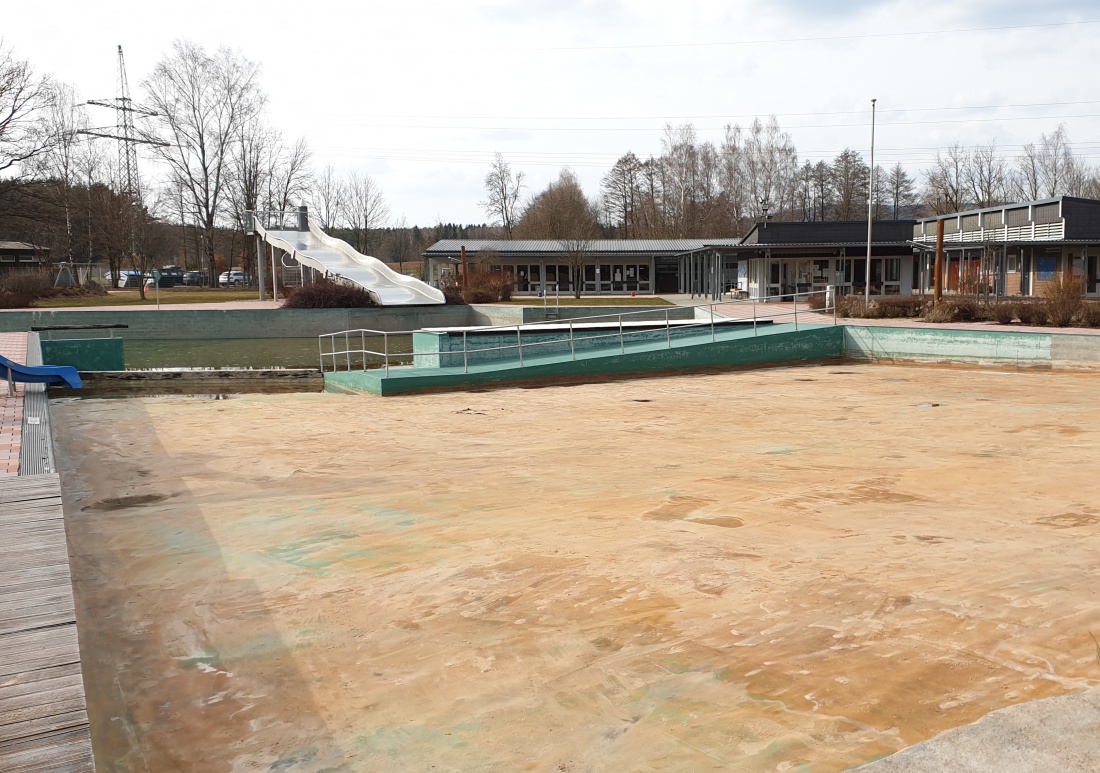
[870, 209]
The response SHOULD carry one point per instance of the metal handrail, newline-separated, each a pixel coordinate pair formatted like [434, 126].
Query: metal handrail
[620, 333]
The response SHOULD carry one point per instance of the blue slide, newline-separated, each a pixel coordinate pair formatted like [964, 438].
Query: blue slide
[39, 374]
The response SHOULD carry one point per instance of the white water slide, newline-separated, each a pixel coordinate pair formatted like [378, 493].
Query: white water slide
[337, 259]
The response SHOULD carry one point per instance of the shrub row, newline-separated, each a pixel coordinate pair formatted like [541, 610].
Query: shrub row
[481, 287]
[1063, 304]
[325, 294]
[19, 289]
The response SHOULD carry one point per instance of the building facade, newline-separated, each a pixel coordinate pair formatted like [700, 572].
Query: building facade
[780, 260]
[1013, 249]
[601, 267]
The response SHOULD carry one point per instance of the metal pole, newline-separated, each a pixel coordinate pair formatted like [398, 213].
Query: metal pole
[870, 211]
[937, 291]
[363, 344]
[668, 330]
[321, 353]
[622, 346]
[347, 350]
[260, 265]
[519, 344]
[754, 317]
[386, 350]
[572, 345]
[796, 311]
[465, 357]
[712, 323]
[274, 276]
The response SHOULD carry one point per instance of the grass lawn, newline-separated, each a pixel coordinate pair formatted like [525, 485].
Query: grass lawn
[612, 301]
[167, 297]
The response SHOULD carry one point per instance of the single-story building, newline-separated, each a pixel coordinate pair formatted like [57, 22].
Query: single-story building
[22, 255]
[773, 259]
[1013, 249]
[783, 258]
[602, 266]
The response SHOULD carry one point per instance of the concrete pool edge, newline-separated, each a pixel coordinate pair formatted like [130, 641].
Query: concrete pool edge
[779, 345]
[1047, 734]
[775, 345]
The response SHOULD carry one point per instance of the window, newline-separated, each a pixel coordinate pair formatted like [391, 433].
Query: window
[893, 269]
[1013, 263]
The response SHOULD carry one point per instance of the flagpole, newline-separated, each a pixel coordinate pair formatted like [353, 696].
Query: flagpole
[870, 210]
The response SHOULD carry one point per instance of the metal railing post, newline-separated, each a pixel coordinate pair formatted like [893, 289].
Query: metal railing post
[668, 330]
[347, 350]
[386, 350]
[796, 311]
[519, 344]
[572, 344]
[321, 352]
[712, 323]
[754, 316]
[622, 346]
[465, 357]
[363, 343]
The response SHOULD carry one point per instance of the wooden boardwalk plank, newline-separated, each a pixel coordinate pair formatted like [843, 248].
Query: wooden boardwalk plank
[43, 713]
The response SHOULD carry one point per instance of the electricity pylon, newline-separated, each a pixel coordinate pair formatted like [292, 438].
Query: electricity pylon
[129, 179]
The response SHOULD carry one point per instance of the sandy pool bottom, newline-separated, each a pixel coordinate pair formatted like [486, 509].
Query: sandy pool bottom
[788, 569]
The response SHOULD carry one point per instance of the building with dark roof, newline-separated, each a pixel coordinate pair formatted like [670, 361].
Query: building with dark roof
[777, 259]
[601, 266]
[21, 255]
[1013, 249]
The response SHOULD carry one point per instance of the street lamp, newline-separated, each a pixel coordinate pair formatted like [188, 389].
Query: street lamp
[764, 210]
[870, 210]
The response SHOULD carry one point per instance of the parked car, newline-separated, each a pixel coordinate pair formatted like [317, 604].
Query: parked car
[233, 279]
[196, 278]
[130, 278]
[170, 276]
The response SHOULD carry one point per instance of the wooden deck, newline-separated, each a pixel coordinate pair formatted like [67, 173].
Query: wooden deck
[43, 715]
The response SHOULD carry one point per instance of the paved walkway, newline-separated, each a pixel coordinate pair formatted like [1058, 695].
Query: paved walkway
[223, 306]
[14, 347]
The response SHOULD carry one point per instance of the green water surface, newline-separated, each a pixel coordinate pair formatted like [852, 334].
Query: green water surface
[252, 353]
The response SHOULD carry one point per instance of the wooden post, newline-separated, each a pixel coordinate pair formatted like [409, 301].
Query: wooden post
[465, 268]
[939, 262]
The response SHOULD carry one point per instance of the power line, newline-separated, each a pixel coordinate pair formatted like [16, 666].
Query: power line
[451, 127]
[705, 116]
[819, 38]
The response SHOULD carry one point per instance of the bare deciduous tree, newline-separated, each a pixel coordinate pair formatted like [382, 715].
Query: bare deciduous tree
[22, 95]
[985, 176]
[327, 200]
[944, 182]
[620, 191]
[365, 209]
[59, 164]
[289, 175]
[203, 103]
[502, 192]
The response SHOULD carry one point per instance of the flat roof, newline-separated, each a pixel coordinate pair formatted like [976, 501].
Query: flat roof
[534, 247]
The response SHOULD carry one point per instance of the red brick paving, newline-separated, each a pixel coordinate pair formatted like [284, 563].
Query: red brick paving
[14, 347]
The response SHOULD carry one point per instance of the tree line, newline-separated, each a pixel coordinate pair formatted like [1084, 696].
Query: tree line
[61, 188]
[696, 189]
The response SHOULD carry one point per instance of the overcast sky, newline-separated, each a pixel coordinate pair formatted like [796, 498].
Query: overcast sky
[421, 94]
